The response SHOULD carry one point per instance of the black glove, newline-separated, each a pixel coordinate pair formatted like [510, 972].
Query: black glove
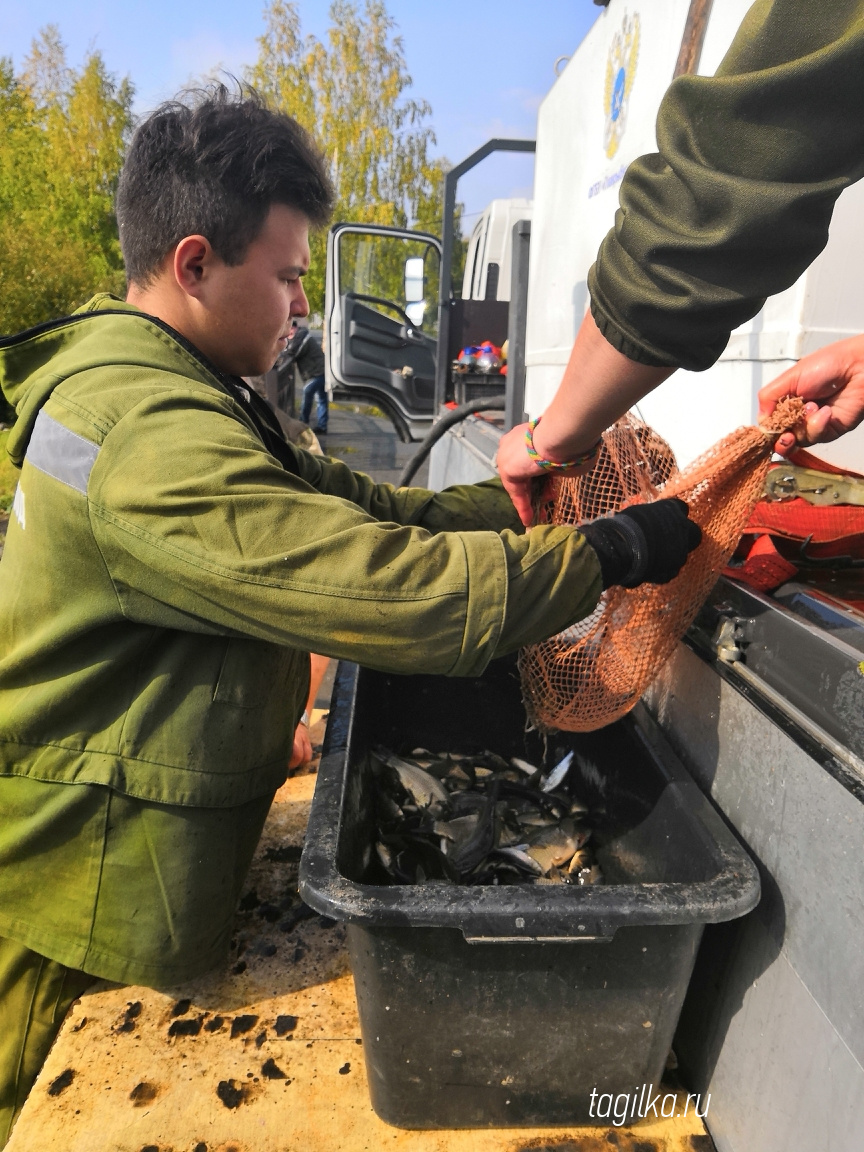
[647, 543]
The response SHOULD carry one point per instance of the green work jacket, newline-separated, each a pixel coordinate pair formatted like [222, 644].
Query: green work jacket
[164, 577]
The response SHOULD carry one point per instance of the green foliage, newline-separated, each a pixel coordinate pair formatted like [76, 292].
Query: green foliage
[350, 95]
[62, 137]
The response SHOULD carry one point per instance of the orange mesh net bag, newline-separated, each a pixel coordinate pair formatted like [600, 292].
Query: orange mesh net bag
[595, 671]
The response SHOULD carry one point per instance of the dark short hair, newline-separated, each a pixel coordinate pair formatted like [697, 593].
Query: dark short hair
[211, 163]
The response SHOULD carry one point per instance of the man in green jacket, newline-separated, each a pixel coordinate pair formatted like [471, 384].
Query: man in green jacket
[171, 561]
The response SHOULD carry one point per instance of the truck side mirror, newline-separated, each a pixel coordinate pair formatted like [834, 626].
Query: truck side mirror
[415, 290]
[414, 287]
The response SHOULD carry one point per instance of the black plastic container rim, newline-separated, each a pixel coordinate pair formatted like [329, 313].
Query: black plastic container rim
[516, 913]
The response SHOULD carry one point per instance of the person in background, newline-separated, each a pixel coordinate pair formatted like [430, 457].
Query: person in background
[305, 351]
[302, 752]
[294, 431]
[733, 208]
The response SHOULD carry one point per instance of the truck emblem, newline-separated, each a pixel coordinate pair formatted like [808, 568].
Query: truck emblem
[620, 74]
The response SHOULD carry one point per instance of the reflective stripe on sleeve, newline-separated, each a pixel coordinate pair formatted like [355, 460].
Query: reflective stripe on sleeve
[57, 452]
[18, 507]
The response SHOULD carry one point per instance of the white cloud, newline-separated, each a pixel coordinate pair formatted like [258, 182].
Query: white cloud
[526, 99]
[508, 128]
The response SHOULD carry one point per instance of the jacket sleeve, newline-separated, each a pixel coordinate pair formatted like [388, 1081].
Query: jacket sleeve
[737, 201]
[210, 533]
[465, 507]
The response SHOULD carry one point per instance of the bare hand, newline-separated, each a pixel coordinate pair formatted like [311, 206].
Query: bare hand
[525, 482]
[518, 472]
[598, 386]
[301, 753]
[831, 381]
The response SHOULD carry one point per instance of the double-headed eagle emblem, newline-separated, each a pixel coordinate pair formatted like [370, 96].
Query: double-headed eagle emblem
[620, 74]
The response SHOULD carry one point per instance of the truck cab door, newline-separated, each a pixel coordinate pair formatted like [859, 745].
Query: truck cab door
[381, 320]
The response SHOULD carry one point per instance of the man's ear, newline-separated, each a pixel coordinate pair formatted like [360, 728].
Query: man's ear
[193, 259]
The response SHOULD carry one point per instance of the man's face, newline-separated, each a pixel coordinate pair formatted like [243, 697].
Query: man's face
[250, 306]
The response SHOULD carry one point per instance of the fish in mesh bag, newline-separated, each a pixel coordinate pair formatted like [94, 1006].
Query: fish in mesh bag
[595, 672]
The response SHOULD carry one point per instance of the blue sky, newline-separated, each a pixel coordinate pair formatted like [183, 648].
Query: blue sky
[483, 65]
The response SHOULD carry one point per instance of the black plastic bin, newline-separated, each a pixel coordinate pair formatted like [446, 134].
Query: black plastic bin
[506, 1006]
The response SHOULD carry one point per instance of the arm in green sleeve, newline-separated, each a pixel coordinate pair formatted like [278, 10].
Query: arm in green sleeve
[463, 507]
[552, 582]
[469, 507]
[737, 202]
[219, 537]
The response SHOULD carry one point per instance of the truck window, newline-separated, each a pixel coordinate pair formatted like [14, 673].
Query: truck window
[470, 278]
[476, 293]
[375, 267]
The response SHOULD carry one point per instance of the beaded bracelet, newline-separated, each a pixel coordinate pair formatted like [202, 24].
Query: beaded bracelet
[554, 465]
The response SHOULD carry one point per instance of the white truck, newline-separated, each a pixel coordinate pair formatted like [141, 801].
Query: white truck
[764, 701]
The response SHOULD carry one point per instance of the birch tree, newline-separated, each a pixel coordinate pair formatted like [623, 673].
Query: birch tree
[351, 93]
[63, 134]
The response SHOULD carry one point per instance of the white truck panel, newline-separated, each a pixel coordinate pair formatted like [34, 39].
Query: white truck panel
[575, 181]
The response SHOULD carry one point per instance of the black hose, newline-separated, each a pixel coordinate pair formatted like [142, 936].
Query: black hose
[453, 416]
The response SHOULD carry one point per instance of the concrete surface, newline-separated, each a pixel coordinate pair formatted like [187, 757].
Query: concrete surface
[369, 444]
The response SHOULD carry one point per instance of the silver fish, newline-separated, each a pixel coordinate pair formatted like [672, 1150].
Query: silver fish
[480, 819]
[536, 820]
[581, 859]
[552, 847]
[520, 856]
[556, 776]
[493, 758]
[523, 766]
[457, 773]
[423, 787]
[460, 830]
[388, 808]
[509, 839]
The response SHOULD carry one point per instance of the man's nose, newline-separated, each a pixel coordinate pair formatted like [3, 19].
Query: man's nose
[299, 305]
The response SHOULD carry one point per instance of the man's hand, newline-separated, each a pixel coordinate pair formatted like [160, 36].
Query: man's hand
[301, 753]
[598, 386]
[523, 480]
[518, 472]
[831, 382]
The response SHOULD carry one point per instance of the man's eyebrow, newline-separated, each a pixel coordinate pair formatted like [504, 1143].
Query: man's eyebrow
[293, 270]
